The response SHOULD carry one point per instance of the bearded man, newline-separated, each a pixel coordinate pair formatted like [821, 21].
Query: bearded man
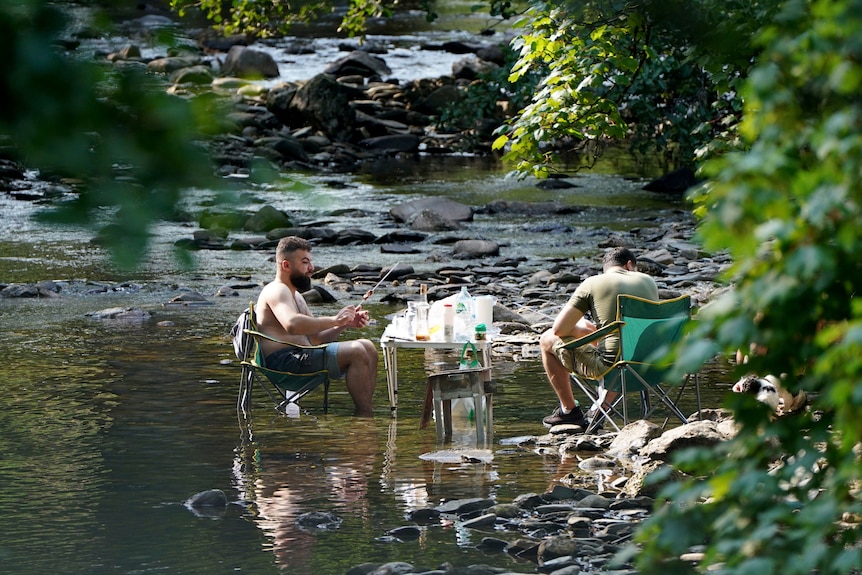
[282, 313]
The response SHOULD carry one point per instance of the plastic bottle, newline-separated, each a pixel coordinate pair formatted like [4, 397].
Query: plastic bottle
[481, 332]
[448, 322]
[464, 315]
[410, 320]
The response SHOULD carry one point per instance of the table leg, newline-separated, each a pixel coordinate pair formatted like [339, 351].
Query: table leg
[391, 362]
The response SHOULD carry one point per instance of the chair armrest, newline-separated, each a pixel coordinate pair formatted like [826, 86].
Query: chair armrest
[570, 343]
[257, 334]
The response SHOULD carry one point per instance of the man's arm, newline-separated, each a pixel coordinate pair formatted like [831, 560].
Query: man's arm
[566, 322]
[360, 319]
[295, 316]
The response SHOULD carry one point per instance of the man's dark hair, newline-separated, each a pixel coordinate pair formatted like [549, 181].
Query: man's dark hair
[618, 257]
[290, 244]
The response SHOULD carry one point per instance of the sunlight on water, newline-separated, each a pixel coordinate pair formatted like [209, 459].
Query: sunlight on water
[111, 426]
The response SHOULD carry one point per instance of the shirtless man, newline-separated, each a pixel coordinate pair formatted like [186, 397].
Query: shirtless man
[282, 313]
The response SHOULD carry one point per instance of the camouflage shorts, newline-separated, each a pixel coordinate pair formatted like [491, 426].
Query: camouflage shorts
[586, 360]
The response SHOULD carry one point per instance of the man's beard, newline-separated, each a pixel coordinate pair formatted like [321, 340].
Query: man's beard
[300, 281]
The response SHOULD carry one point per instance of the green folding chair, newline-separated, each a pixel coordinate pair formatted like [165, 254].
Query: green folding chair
[647, 329]
[282, 387]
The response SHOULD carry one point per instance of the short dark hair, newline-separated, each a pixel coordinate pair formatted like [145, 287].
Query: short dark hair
[290, 244]
[618, 257]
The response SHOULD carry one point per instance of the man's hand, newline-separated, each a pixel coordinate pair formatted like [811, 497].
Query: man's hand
[351, 316]
[360, 318]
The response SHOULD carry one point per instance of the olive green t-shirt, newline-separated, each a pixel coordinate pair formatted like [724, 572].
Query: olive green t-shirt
[598, 296]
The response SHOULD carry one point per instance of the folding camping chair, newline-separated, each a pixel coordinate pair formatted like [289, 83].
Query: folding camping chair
[646, 329]
[282, 387]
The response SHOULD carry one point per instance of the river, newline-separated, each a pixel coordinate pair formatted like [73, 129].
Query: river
[108, 427]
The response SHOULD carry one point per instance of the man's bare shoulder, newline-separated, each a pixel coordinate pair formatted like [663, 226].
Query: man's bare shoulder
[275, 291]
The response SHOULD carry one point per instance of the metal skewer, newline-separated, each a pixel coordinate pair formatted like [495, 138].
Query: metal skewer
[370, 292]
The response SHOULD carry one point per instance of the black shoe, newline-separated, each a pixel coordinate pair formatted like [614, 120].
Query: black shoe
[574, 417]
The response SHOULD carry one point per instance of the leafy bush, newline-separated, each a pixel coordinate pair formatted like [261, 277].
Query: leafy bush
[784, 496]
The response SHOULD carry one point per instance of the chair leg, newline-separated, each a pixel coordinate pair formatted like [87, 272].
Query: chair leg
[646, 407]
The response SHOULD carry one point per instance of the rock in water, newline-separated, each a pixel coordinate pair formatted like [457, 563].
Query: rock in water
[209, 498]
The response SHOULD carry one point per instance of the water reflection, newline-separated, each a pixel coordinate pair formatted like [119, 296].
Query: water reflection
[282, 483]
[109, 427]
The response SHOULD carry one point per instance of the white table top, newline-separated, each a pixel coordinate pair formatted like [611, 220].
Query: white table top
[389, 339]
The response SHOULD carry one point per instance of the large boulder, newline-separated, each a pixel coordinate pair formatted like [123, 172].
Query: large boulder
[473, 249]
[674, 183]
[447, 209]
[470, 68]
[695, 434]
[267, 218]
[324, 104]
[278, 101]
[632, 438]
[395, 143]
[247, 63]
[358, 63]
[438, 100]
[171, 64]
[199, 74]
[431, 221]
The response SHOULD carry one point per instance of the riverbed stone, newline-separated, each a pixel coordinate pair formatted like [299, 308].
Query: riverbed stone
[318, 521]
[244, 62]
[120, 313]
[460, 506]
[358, 62]
[446, 208]
[170, 64]
[472, 249]
[393, 568]
[695, 434]
[199, 74]
[440, 99]
[208, 498]
[324, 104]
[634, 437]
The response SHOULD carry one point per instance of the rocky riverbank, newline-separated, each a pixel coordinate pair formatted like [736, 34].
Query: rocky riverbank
[569, 529]
[354, 113]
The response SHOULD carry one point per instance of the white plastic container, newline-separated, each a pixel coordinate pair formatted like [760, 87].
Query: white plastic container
[485, 310]
[448, 322]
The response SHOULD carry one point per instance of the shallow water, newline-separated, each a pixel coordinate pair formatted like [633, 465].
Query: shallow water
[109, 427]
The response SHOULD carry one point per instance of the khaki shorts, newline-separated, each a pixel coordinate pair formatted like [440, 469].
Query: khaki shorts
[586, 360]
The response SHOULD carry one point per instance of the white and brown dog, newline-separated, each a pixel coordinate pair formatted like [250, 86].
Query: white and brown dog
[769, 390]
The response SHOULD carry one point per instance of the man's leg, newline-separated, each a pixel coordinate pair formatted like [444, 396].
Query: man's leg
[558, 375]
[358, 360]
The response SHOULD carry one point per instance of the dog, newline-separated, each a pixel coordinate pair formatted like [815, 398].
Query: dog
[769, 390]
[764, 389]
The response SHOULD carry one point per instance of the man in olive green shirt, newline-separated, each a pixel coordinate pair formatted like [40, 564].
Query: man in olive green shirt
[597, 295]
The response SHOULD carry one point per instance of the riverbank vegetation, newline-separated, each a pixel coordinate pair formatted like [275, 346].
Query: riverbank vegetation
[762, 97]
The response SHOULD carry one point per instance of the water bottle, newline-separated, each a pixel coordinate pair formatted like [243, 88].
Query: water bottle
[464, 315]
